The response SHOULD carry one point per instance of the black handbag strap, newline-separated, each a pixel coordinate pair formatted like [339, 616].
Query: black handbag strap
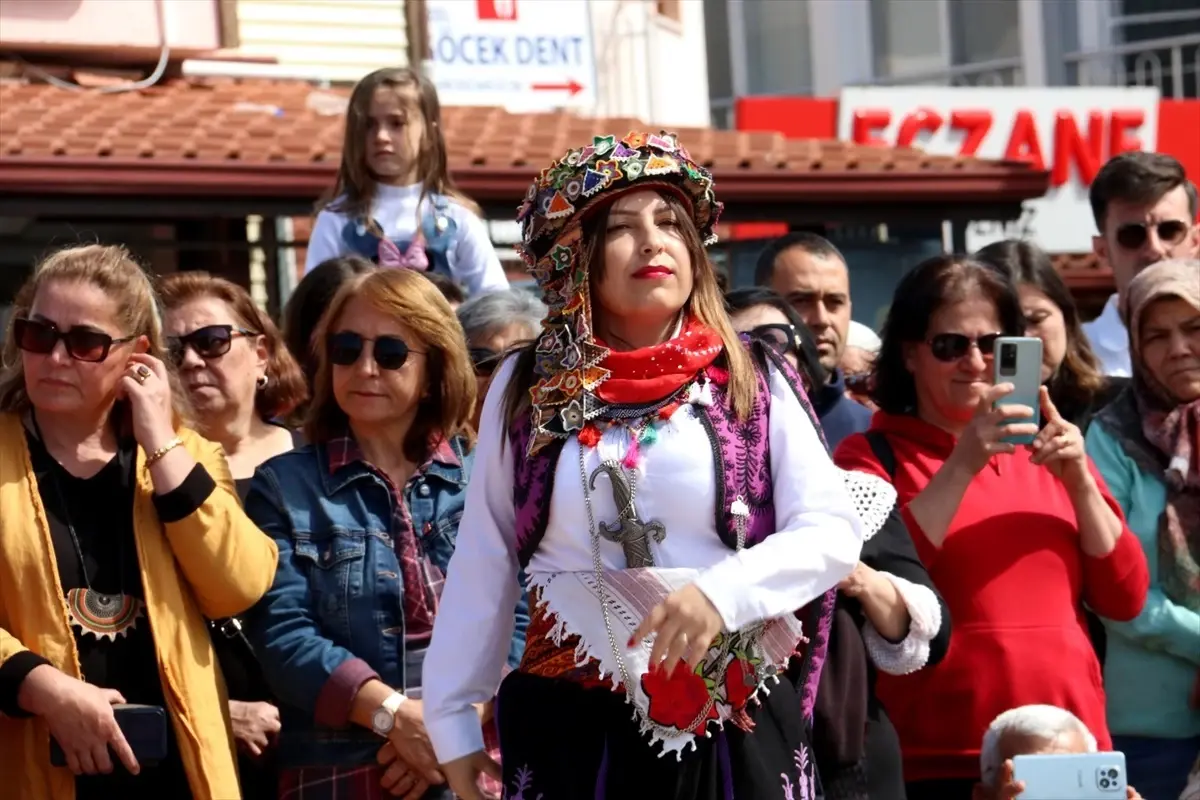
[882, 449]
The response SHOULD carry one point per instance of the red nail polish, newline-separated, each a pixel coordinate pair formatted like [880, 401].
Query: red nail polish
[632, 642]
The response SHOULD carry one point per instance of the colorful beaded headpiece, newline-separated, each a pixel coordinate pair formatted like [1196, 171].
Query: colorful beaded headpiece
[568, 369]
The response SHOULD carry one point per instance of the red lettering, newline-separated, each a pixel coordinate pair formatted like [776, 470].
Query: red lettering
[867, 123]
[976, 125]
[1069, 145]
[1023, 143]
[1119, 124]
[923, 119]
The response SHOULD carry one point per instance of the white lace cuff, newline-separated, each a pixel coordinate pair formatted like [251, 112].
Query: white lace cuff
[911, 653]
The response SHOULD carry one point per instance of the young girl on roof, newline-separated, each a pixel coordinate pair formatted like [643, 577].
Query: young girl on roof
[394, 201]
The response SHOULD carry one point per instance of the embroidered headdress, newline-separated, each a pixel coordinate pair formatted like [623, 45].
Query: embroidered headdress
[568, 366]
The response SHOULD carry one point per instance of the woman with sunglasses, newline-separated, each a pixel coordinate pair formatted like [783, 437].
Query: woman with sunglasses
[1016, 538]
[366, 518]
[494, 323]
[119, 533]
[240, 380]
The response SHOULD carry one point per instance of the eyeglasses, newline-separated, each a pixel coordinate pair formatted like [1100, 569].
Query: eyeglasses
[1133, 235]
[781, 336]
[83, 344]
[485, 360]
[953, 346]
[346, 347]
[209, 342]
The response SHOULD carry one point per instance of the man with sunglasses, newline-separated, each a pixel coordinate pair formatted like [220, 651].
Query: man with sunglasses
[1145, 209]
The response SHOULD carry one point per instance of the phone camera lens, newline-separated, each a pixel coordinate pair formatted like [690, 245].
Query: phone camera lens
[1104, 783]
[1008, 359]
[1112, 773]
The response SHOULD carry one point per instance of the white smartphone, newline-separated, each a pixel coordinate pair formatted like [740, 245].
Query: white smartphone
[1071, 776]
[1018, 360]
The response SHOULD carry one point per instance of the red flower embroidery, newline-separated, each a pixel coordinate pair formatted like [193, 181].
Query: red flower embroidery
[677, 700]
[589, 436]
[739, 683]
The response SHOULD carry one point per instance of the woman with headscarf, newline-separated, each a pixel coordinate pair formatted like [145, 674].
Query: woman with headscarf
[1147, 446]
[669, 495]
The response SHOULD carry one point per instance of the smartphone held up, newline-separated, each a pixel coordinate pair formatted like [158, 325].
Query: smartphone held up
[1018, 361]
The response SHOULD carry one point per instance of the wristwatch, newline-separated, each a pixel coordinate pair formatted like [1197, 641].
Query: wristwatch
[384, 717]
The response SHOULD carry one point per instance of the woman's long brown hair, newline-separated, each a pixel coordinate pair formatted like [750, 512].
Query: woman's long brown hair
[706, 304]
[354, 189]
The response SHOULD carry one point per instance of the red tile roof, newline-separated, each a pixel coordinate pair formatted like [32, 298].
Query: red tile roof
[283, 138]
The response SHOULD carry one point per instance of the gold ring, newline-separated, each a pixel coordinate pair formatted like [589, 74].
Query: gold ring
[141, 373]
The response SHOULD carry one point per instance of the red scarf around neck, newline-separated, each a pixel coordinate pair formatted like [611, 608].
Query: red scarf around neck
[652, 373]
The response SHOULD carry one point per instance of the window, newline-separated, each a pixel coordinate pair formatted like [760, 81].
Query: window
[984, 30]
[671, 9]
[907, 37]
[778, 56]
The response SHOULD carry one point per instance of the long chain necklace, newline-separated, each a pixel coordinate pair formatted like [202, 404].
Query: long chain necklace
[638, 421]
[103, 615]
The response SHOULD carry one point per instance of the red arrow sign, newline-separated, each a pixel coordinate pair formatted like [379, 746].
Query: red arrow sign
[571, 87]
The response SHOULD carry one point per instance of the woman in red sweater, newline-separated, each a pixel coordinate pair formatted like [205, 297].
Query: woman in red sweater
[1017, 539]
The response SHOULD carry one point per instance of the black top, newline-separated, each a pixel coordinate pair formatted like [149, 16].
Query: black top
[100, 509]
[243, 484]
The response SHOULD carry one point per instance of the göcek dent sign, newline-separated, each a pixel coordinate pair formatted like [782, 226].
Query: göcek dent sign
[1069, 131]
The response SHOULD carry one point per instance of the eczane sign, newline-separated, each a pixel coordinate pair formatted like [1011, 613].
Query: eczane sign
[524, 55]
[1070, 131]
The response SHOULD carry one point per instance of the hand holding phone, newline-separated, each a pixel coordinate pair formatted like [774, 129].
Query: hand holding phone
[1060, 447]
[81, 719]
[984, 436]
[1071, 776]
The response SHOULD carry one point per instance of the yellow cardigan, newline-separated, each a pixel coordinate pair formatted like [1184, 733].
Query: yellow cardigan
[215, 563]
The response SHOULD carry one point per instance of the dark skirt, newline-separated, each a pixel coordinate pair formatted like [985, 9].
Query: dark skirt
[563, 741]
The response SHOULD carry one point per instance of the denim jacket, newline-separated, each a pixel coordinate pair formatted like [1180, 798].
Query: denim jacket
[338, 591]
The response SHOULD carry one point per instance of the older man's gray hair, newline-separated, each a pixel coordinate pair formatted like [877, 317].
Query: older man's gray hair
[486, 314]
[1040, 723]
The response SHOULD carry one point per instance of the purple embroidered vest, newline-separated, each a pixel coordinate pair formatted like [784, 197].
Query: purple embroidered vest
[742, 453]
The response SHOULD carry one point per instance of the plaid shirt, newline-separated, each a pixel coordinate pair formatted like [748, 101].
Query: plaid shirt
[363, 782]
[423, 580]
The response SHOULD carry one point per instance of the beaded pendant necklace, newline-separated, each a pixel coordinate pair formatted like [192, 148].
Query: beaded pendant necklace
[645, 421]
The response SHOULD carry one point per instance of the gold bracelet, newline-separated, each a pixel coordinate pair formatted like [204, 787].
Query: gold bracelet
[162, 451]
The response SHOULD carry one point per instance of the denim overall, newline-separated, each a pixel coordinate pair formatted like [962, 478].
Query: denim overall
[437, 226]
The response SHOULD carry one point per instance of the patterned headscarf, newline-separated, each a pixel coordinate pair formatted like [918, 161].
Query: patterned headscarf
[569, 359]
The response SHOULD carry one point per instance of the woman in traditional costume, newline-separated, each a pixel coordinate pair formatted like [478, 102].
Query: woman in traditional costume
[666, 490]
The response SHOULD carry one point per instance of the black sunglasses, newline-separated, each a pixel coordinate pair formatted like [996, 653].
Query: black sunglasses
[485, 360]
[1133, 235]
[209, 342]
[782, 337]
[953, 346]
[83, 344]
[346, 347]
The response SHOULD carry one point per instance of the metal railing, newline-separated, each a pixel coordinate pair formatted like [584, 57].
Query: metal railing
[1172, 65]
[997, 72]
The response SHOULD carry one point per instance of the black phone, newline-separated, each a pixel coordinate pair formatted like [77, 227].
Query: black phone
[144, 727]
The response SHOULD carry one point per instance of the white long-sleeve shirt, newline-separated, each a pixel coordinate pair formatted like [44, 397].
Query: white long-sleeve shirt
[473, 260]
[818, 543]
[1110, 340]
